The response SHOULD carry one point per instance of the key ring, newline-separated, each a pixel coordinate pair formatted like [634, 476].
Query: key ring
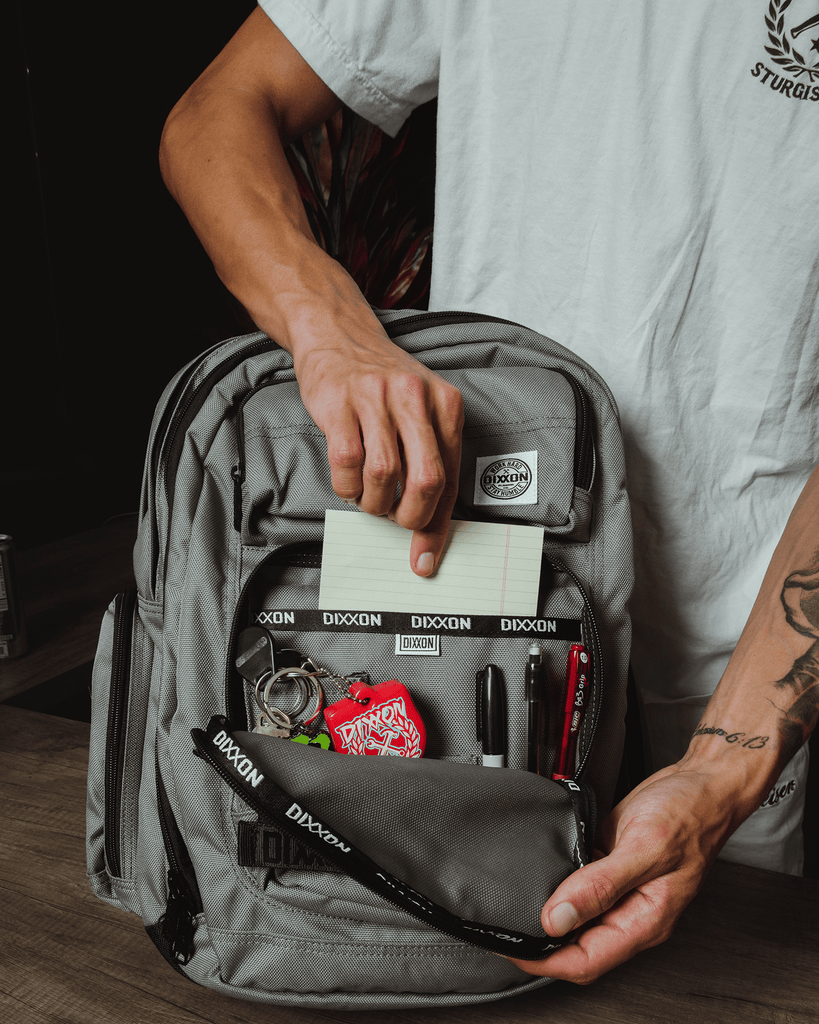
[276, 715]
[306, 725]
[298, 676]
[308, 688]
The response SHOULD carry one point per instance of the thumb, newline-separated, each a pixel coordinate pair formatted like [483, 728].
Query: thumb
[594, 889]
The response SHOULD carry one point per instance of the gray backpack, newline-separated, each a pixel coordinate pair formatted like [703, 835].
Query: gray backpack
[288, 873]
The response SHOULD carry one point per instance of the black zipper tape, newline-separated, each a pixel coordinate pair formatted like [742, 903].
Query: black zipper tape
[595, 669]
[176, 927]
[409, 623]
[181, 410]
[275, 807]
[116, 734]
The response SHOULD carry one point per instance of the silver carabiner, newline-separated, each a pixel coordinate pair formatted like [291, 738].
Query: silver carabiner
[343, 683]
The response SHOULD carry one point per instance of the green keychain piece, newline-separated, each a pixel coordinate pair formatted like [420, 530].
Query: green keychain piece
[322, 740]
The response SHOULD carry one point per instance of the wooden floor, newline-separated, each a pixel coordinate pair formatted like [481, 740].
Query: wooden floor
[746, 950]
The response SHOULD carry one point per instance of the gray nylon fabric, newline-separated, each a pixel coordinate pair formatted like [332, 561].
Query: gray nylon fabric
[317, 938]
[500, 845]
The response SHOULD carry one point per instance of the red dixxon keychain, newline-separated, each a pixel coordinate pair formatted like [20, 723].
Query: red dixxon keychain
[380, 719]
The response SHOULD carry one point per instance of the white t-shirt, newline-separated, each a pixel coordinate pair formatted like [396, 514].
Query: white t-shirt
[638, 180]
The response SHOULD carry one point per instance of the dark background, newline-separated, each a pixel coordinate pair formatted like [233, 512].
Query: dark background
[108, 292]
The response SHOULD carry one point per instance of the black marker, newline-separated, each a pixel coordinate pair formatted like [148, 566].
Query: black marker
[535, 707]
[491, 707]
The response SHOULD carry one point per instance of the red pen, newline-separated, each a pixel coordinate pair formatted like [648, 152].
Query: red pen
[575, 695]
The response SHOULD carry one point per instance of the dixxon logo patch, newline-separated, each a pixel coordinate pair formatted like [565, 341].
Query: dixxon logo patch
[506, 479]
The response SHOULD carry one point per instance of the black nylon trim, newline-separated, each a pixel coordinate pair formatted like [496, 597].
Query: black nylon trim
[351, 621]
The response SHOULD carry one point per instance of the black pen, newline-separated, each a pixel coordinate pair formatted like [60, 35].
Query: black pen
[491, 707]
[535, 707]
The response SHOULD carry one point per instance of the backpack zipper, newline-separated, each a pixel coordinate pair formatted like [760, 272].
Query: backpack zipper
[177, 925]
[237, 473]
[124, 605]
[180, 411]
[596, 684]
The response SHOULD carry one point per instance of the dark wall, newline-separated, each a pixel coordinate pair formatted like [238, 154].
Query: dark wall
[109, 292]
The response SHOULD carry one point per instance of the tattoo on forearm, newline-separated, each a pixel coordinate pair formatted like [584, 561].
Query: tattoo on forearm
[742, 738]
[797, 691]
[800, 687]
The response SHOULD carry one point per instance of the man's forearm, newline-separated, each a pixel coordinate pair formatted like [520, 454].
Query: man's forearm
[767, 702]
[223, 161]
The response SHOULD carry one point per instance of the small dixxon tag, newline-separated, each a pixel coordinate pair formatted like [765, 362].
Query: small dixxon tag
[388, 723]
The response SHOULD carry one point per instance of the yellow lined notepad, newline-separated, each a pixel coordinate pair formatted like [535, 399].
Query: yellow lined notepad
[487, 568]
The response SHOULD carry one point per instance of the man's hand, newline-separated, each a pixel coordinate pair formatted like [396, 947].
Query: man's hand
[388, 421]
[658, 844]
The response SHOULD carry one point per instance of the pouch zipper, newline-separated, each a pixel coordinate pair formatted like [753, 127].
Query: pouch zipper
[264, 815]
[116, 733]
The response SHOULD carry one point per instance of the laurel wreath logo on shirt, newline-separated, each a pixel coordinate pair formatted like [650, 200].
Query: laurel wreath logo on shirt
[781, 50]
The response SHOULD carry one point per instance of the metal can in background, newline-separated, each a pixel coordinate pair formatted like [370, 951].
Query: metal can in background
[12, 622]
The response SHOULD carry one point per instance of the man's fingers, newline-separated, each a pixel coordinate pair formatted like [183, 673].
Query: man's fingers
[427, 545]
[381, 472]
[590, 892]
[432, 455]
[345, 455]
[636, 922]
[626, 907]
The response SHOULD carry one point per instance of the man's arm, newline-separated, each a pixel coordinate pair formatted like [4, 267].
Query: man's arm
[659, 842]
[387, 418]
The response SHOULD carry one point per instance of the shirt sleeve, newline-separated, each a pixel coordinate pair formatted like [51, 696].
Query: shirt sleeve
[380, 57]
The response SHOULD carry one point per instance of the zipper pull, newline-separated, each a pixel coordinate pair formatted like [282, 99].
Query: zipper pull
[238, 474]
[177, 924]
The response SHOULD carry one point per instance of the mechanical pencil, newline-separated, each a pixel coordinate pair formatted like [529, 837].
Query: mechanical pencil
[535, 707]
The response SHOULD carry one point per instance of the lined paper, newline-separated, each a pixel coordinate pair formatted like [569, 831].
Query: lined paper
[486, 569]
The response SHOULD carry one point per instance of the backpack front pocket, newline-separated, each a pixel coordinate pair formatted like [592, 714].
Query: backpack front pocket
[444, 849]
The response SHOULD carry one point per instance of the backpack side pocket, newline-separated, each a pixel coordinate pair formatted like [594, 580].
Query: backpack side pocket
[119, 705]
